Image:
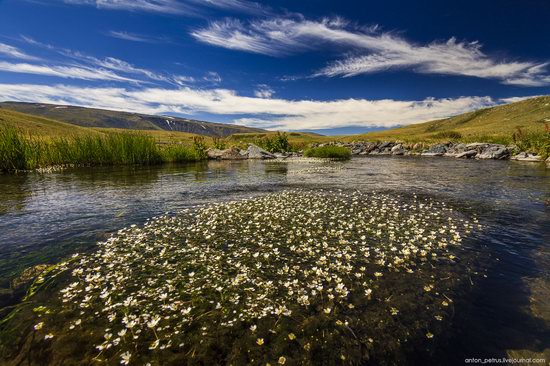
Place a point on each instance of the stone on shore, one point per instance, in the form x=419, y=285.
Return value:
x=496, y=152
x=256, y=152
x=228, y=154
x=436, y=150
x=398, y=150
x=527, y=156
x=466, y=154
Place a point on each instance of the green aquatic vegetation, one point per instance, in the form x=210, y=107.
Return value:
x=292, y=277
x=331, y=152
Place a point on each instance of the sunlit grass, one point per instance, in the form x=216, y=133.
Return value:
x=19, y=151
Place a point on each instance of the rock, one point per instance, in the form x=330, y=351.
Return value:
x=417, y=146
x=369, y=146
x=436, y=150
x=281, y=155
x=477, y=146
x=214, y=153
x=384, y=145
x=526, y=156
x=548, y=161
x=256, y=152
x=228, y=154
x=466, y=154
x=496, y=152
x=398, y=150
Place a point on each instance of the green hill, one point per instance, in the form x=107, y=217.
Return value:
x=40, y=126
x=90, y=117
x=489, y=124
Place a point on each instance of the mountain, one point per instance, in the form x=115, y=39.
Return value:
x=90, y=117
x=529, y=115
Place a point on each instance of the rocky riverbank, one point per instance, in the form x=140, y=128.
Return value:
x=477, y=150
x=482, y=151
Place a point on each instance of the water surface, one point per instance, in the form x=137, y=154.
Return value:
x=46, y=217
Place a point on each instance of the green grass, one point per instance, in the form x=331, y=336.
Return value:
x=19, y=151
x=40, y=127
x=331, y=152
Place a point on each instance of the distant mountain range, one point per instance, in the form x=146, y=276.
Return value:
x=90, y=117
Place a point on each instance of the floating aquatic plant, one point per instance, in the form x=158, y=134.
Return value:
x=287, y=278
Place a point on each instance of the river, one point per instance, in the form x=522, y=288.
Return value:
x=506, y=313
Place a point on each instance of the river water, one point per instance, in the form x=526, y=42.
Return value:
x=506, y=312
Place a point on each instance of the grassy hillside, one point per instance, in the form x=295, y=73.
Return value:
x=89, y=117
x=40, y=126
x=496, y=124
x=168, y=137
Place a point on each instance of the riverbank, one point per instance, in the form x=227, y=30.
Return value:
x=343, y=150
x=476, y=150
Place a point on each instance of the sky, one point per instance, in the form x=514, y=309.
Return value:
x=310, y=65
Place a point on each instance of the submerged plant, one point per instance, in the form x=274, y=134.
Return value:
x=286, y=278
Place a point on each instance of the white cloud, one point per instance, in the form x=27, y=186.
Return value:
x=235, y=5
x=70, y=72
x=133, y=37
x=181, y=7
x=271, y=113
x=274, y=37
x=373, y=50
x=102, y=67
x=156, y=6
x=14, y=52
x=212, y=77
x=517, y=99
x=264, y=91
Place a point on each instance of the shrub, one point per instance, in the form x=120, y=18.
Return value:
x=200, y=147
x=331, y=152
x=276, y=143
x=218, y=143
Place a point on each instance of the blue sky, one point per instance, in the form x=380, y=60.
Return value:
x=325, y=66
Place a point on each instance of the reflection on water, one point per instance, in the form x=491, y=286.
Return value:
x=46, y=217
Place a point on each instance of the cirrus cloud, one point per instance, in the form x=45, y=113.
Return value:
x=371, y=50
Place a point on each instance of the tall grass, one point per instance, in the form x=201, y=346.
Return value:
x=22, y=152
x=537, y=142
x=331, y=152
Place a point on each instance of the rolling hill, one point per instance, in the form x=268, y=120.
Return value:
x=90, y=117
x=40, y=126
x=488, y=124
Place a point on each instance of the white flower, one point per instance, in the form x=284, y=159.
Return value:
x=125, y=358
x=153, y=322
x=155, y=344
